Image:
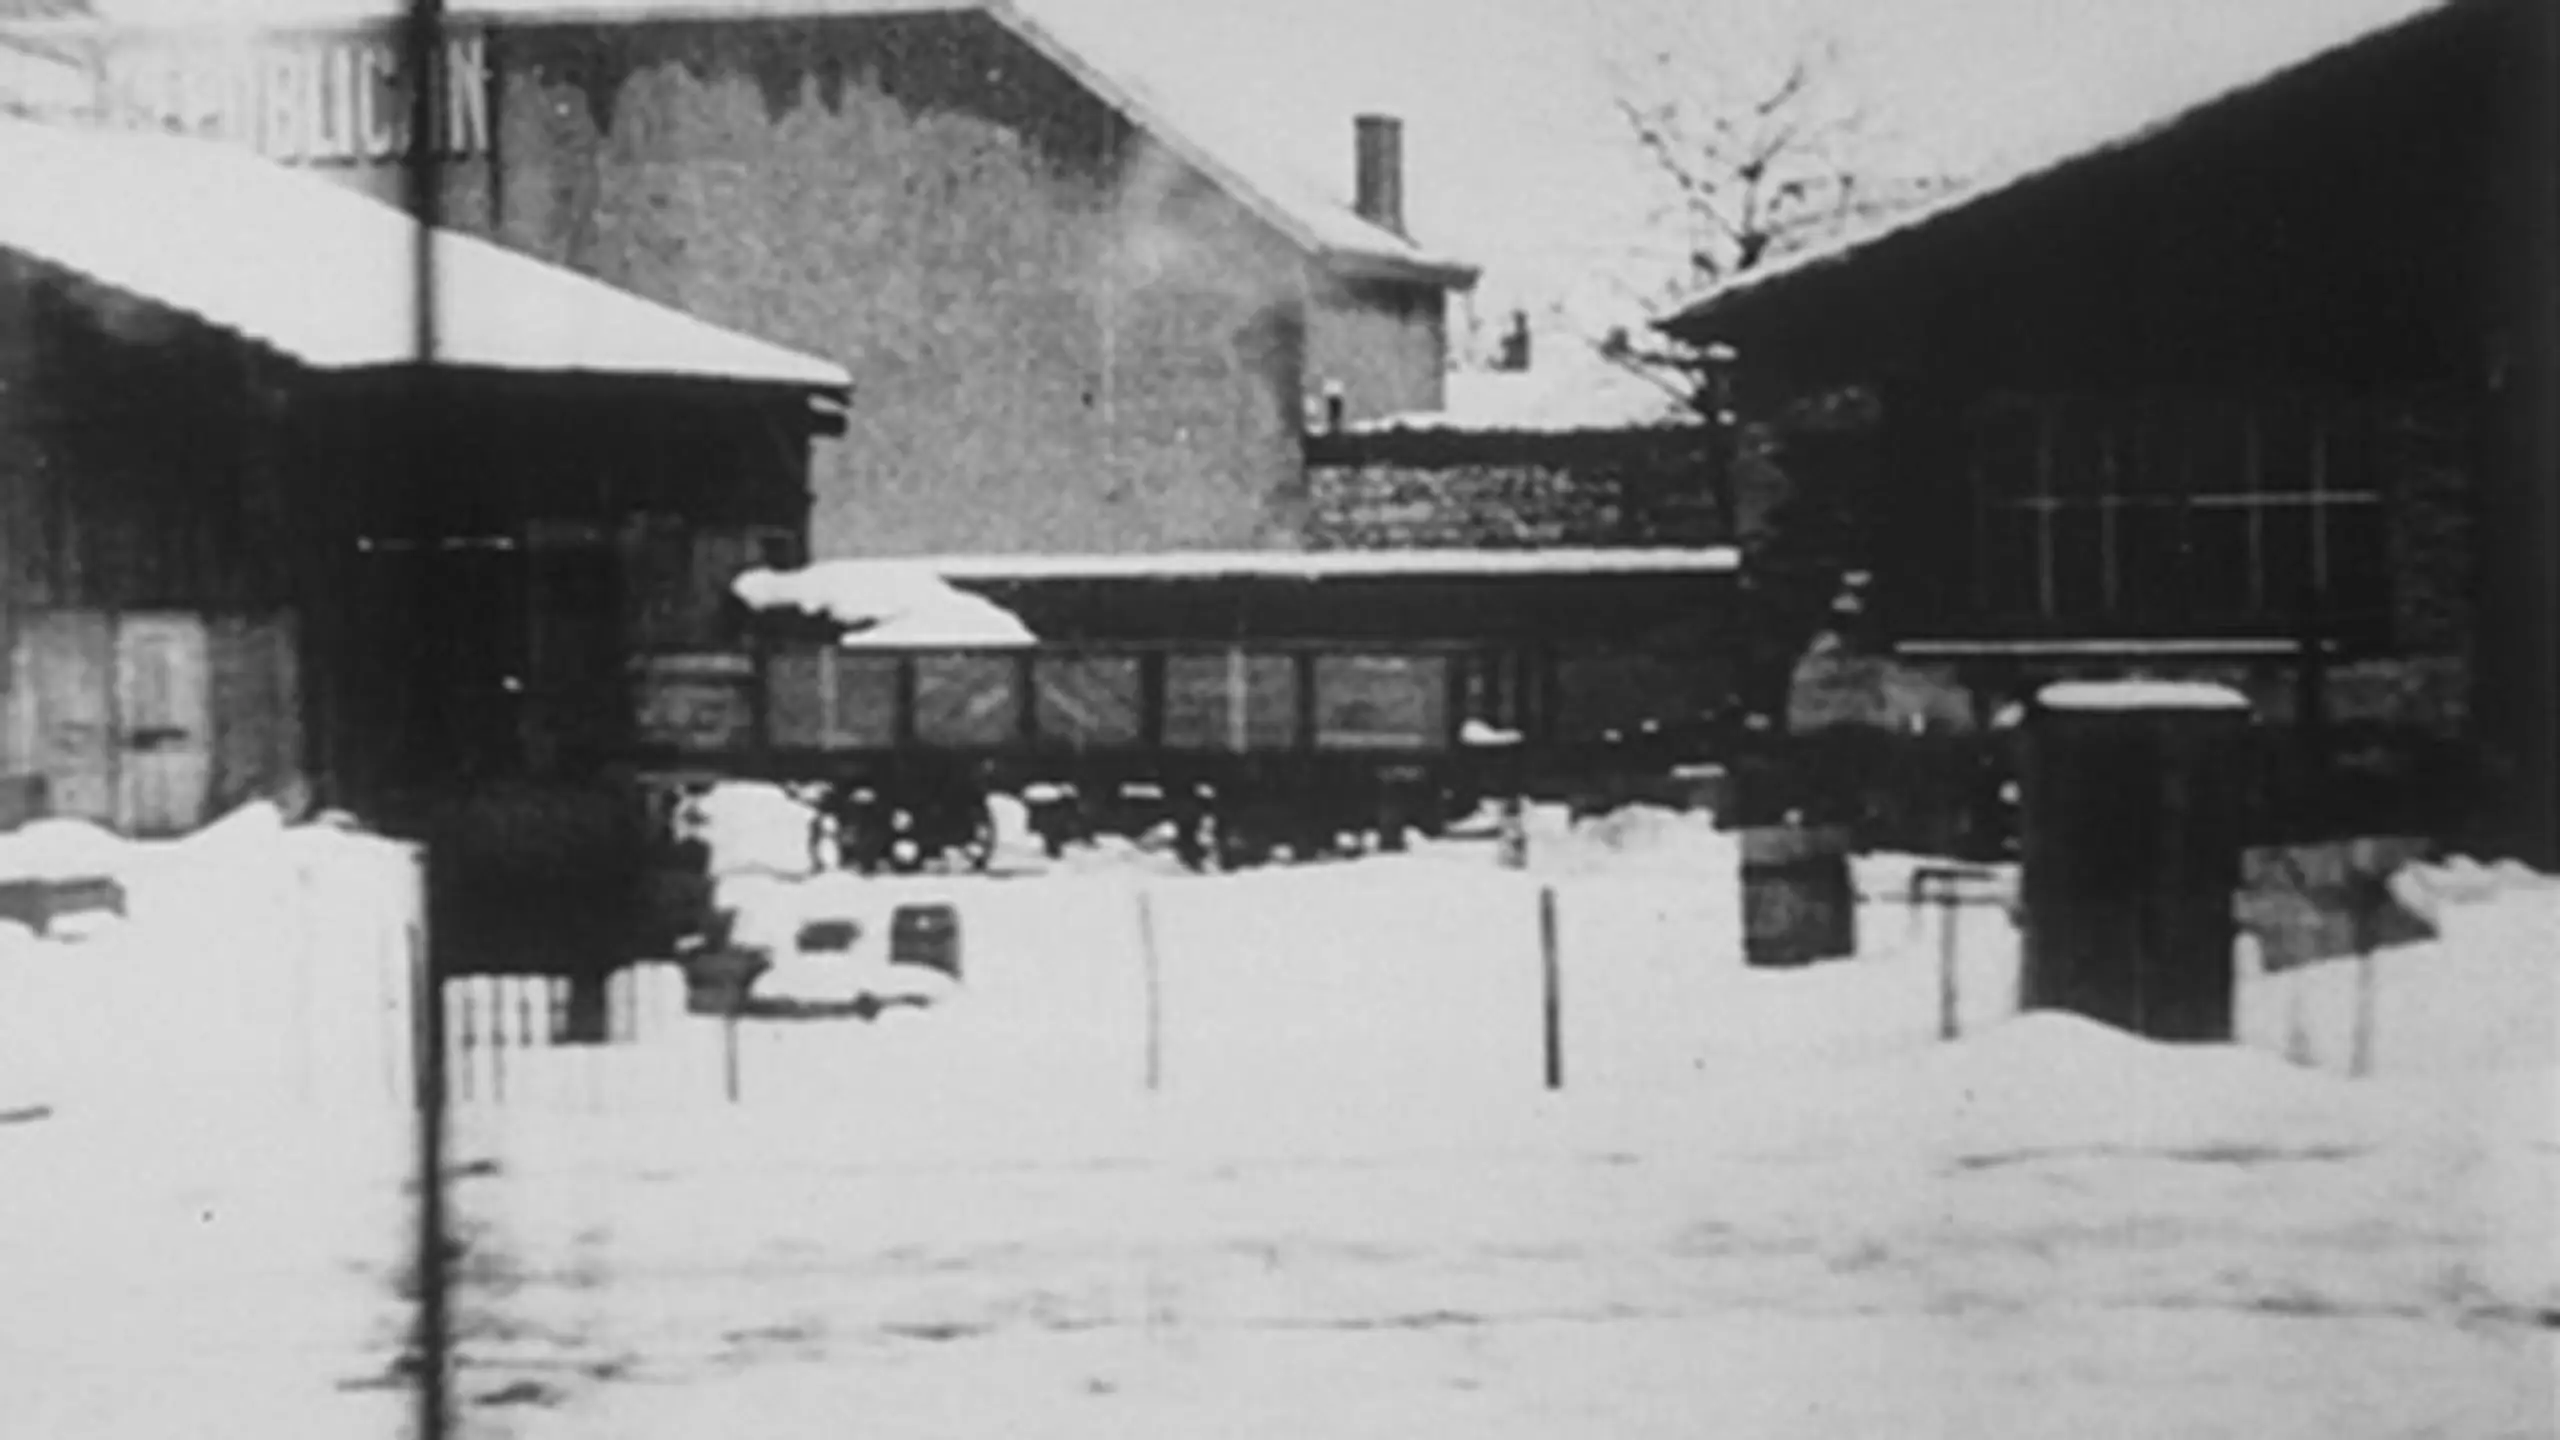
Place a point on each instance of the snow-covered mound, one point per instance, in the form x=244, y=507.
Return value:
x=2050, y=1081
x=1632, y=839
x=59, y=849
x=2428, y=886
x=250, y=958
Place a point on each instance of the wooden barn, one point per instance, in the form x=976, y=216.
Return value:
x=249, y=546
x=1081, y=320
x=2261, y=392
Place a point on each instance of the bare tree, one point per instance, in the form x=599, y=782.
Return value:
x=1758, y=137
x=1763, y=148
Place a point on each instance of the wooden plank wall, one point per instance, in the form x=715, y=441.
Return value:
x=140, y=474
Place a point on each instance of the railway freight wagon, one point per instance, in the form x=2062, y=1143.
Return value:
x=1248, y=704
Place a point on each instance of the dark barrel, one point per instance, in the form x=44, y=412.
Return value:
x=2134, y=800
x=1798, y=902
x=926, y=935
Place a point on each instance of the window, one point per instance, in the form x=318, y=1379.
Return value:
x=2174, y=511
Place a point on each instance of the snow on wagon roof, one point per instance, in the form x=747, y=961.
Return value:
x=1318, y=565
x=2140, y=695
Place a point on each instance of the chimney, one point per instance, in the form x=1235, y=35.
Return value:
x=1378, y=183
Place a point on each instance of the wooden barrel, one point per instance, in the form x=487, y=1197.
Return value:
x=1798, y=902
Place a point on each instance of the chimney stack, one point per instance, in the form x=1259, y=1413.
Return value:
x=1379, y=176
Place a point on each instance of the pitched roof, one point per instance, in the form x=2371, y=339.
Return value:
x=1697, y=318
x=1326, y=228
x=325, y=275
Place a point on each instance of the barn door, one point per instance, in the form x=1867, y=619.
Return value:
x=66, y=685
x=164, y=721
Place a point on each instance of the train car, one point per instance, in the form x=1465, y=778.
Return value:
x=1250, y=705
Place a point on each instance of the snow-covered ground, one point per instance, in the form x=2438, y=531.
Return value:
x=1765, y=1203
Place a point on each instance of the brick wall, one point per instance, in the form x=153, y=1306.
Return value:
x=1460, y=490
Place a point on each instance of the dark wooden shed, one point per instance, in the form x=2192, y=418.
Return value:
x=253, y=547
x=2264, y=384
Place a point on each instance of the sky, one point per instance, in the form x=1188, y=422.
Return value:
x=1517, y=159
x=1516, y=156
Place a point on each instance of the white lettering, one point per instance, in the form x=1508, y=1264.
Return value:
x=344, y=99
x=327, y=103
x=377, y=105
x=466, y=95
x=281, y=136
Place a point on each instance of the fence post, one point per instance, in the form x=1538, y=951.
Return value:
x=2366, y=901
x=500, y=991
x=1552, y=983
x=1152, y=963
x=304, y=887
x=1943, y=886
x=433, y=1337
x=1949, y=1002
x=729, y=1049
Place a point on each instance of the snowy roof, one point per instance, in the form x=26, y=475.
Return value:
x=1699, y=314
x=324, y=275
x=1315, y=565
x=1550, y=399
x=2140, y=695
x=887, y=603
x=1326, y=227
x=36, y=76
x=1220, y=146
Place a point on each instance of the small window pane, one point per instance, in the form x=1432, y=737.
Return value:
x=2009, y=562
x=2150, y=570
x=2285, y=541
x=2359, y=558
x=2219, y=567
x=2214, y=450
x=2004, y=443
x=2285, y=434
x=2079, y=561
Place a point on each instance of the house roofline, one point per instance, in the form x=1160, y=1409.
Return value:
x=1384, y=262
x=1696, y=319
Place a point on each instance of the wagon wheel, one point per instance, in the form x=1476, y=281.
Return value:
x=903, y=851
x=864, y=843
x=1196, y=838
x=1238, y=847
x=980, y=847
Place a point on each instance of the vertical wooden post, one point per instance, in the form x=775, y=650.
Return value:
x=1553, y=985
x=433, y=1341
x=1151, y=962
x=498, y=992
x=2368, y=896
x=729, y=1051
x=1949, y=1025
